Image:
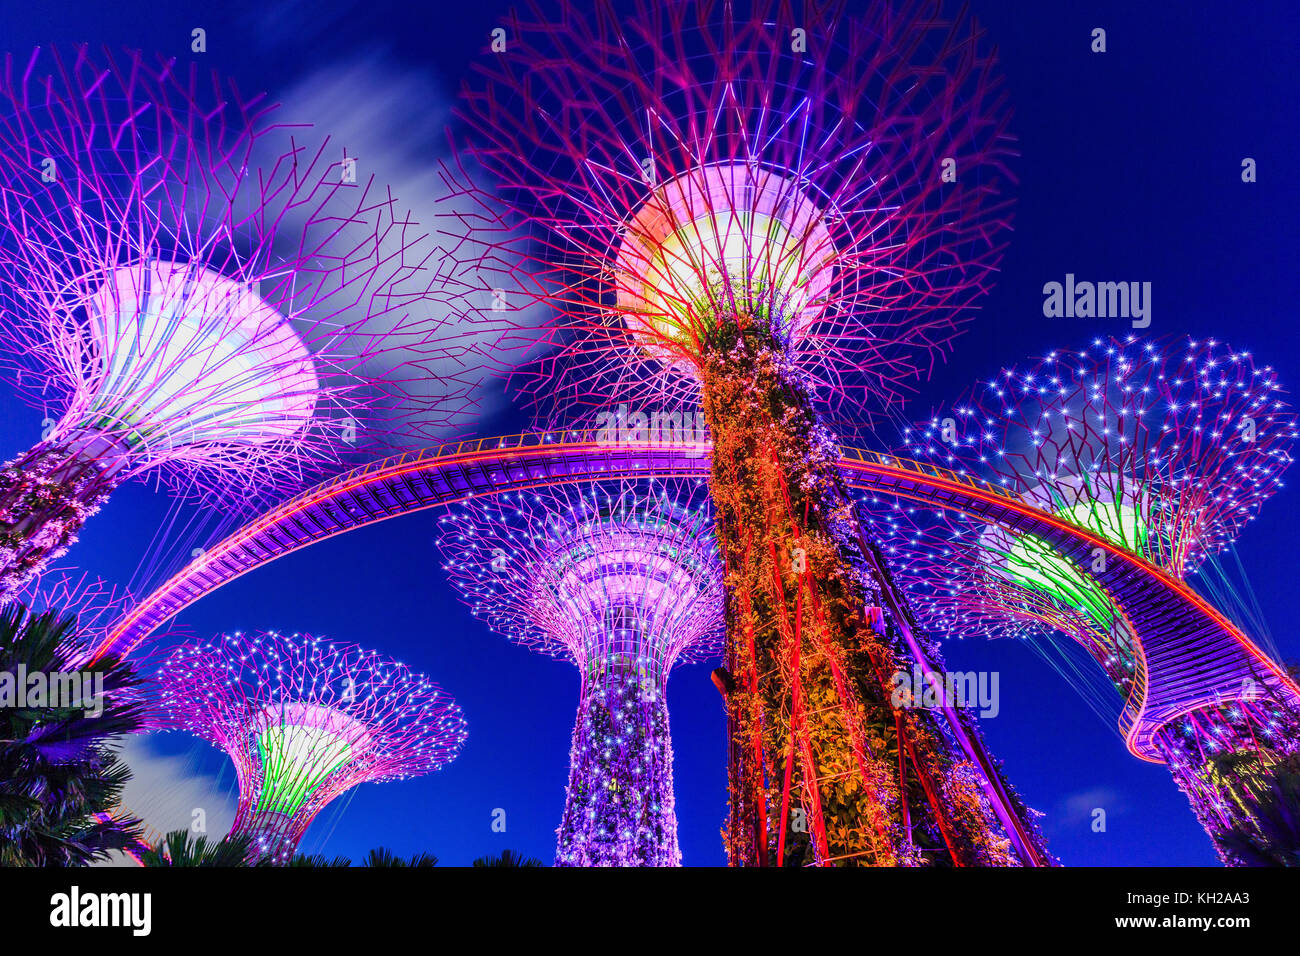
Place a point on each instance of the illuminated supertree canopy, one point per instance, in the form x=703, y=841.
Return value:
x=191, y=291
x=760, y=209
x=304, y=720
x=624, y=581
x=1166, y=449
x=739, y=159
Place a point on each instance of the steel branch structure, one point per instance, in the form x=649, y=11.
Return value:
x=622, y=579
x=770, y=212
x=721, y=157
x=1165, y=450
x=303, y=721
x=1168, y=448
x=191, y=291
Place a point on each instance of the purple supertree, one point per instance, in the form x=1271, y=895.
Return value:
x=761, y=209
x=1166, y=449
x=190, y=290
x=303, y=721
x=624, y=581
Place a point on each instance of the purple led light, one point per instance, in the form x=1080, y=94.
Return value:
x=197, y=292
x=303, y=721
x=625, y=582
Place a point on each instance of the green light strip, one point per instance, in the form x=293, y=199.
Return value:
x=1037, y=565
x=295, y=760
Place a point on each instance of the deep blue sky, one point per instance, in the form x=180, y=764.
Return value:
x=1130, y=170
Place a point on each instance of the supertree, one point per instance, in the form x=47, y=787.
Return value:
x=304, y=720
x=624, y=581
x=1166, y=449
x=759, y=209
x=190, y=290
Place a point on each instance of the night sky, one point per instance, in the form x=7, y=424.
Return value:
x=1130, y=169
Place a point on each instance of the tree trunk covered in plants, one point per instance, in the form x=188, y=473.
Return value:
x=816, y=771
x=45, y=498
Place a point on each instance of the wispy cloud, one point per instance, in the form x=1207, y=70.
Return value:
x=1077, y=807
x=392, y=120
x=167, y=792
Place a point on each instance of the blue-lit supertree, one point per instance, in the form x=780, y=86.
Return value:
x=624, y=581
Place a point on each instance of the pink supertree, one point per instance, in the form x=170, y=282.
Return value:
x=1165, y=449
x=194, y=292
x=623, y=580
x=760, y=209
x=304, y=720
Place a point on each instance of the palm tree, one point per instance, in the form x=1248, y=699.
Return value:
x=382, y=856
x=319, y=859
x=60, y=776
x=177, y=849
x=508, y=858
